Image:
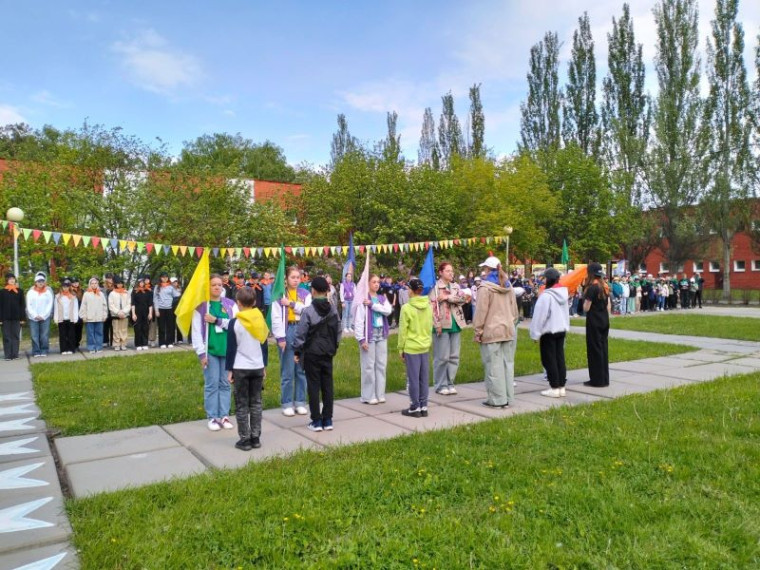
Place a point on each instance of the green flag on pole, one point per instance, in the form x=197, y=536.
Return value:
x=565, y=254
x=278, y=287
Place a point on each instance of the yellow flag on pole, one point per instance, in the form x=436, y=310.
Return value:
x=196, y=292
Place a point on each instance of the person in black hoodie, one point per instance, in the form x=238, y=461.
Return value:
x=142, y=312
x=316, y=342
x=12, y=313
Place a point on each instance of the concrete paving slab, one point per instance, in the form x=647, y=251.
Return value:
x=30, y=478
x=59, y=556
x=341, y=412
x=519, y=406
x=642, y=366
x=13, y=386
x=750, y=362
x=706, y=372
x=81, y=448
x=20, y=425
x=12, y=409
x=354, y=431
x=31, y=522
x=132, y=470
x=14, y=367
x=663, y=362
x=30, y=446
x=573, y=398
x=614, y=390
x=653, y=381
x=196, y=433
x=703, y=356
x=222, y=454
x=471, y=391
x=440, y=417
x=394, y=401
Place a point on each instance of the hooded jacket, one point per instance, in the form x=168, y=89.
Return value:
x=551, y=314
x=497, y=315
x=415, y=333
x=318, y=332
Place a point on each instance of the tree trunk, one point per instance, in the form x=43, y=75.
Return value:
x=726, y=296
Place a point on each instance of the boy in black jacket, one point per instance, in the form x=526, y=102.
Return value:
x=316, y=342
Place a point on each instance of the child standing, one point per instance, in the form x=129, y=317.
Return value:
x=142, y=313
x=371, y=330
x=12, y=309
x=66, y=316
x=551, y=321
x=245, y=367
x=415, y=337
x=39, y=311
x=120, y=306
x=347, y=291
x=163, y=298
x=316, y=342
x=93, y=311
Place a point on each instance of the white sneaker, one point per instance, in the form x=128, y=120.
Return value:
x=373, y=402
x=226, y=423
x=562, y=392
x=290, y=412
x=551, y=393
x=444, y=391
x=381, y=400
x=452, y=390
x=169, y=346
x=301, y=411
x=163, y=346
x=213, y=425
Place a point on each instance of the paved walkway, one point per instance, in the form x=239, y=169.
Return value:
x=34, y=530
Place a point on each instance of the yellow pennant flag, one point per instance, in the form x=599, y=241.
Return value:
x=183, y=250
x=175, y=249
x=197, y=291
x=77, y=239
x=66, y=238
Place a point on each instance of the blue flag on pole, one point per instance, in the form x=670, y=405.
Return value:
x=427, y=274
x=350, y=264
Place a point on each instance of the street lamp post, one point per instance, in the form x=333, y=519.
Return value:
x=508, y=232
x=15, y=215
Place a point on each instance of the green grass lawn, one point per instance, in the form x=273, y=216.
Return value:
x=737, y=328
x=667, y=479
x=108, y=394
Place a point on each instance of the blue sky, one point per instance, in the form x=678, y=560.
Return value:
x=283, y=71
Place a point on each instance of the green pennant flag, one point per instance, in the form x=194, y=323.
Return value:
x=278, y=287
x=5, y=224
x=47, y=236
x=86, y=240
x=27, y=232
x=565, y=255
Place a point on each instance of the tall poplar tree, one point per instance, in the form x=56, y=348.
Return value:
x=477, y=147
x=391, y=146
x=625, y=131
x=580, y=121
x=540, y=121
x=728, y=118
x=342, y=141
x=428, y=153
x=450, y=139
x=673, y=171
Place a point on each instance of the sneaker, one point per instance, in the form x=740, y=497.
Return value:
x=444, y=391
x=301, y=411
x=213, y=425
x=327, y=425
x=381, y=400
x=373, y=402
x=255, y=442
x=169, y=346
x=562, y=392
x=488, y=404
x=226, y=423
x=412, y=413
x=244, y=444
x=290, y=412
x=163, y=346
x=424, y=411
x=551, y=393
x=452, y=390
x=315, y=425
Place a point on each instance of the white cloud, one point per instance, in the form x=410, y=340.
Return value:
x=45, y=97
x=152, y=64
x=229, y=113
x=10, y=115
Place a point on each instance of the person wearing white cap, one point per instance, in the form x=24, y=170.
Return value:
x=39, y=312
x=494, y=326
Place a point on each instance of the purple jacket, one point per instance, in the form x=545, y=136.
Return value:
x=363, y=320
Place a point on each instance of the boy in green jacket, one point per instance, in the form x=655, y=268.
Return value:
x=415, y=337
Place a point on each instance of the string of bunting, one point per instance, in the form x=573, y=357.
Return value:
x=152, y=248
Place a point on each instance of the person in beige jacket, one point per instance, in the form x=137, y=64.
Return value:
x=93, y=312
x=495, y=330
x=120, y=307
x=446, y=300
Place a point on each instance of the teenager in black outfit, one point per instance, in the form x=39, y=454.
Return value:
x=142, y=312
x=12, y=313
x=596, y=306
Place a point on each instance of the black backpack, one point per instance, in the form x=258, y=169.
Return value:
x=321, y=340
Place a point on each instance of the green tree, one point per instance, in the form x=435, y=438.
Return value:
x=728, y=119
x=477, y=148
x=673, y=171
x=580, y=120
x=428, y=154
x=540, y=113
x=625, y=133
x=450, y=140
x=343, y=142
x=391, y=146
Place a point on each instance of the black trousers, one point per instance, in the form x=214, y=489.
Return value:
x=248, y=384
x=597, y=355
x=141, y=331
x=167, y=323
x=553, y=358
x=319, y=377
x=696, y=298
x=78, y=328
x=684, y=299
x=11, y=338
x=108, y=332
x=67, y=336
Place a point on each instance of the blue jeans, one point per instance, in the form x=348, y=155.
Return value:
x=40, y=333
x=216, y=389
x=347, y=323
x=94, y=336
x=292, y=375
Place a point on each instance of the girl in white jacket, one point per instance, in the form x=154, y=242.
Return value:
x=371, y=330
x=550, y=323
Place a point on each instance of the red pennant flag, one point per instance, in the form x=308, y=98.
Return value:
x=361, y=249
x=247, y=251
x=457, y=242
x=326, y=250
x=427, y=245
x=482, y=240
x=395, y=247
x=288, y=250
x=199, y=251
x=149, y=248
x=36, y=234
x=95, y=241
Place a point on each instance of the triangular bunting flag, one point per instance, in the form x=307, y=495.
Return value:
x=86, y=240
x=57, y=237
x=247, y=252
x=149, y=248
x=345, y=250
x=114, y=243
x=77, y=238
x=95, y=241
x=395, y=247
x=199, y=252
x=47, y=236
x=325, y=251
x=140, y=246
x=238, y=252
x=259, y=251
x=66, y=238
x=267, y=251
x=166, y=249
x=183, y=250
x=5, y=225
x=27, y=232
x=175, y=249
x=36, y=234
x=215, y=251
x=122, y=244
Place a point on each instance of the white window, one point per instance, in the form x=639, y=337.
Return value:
x=699, y=266
x=714, y=267
x=756, y=265
x=663, y=268
x=755, y=225
x=680, y=268
x=739, y=266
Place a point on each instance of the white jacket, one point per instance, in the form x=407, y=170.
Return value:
x=93, y=308
x=551, y=313
x=360, y=320
x=39, y=304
